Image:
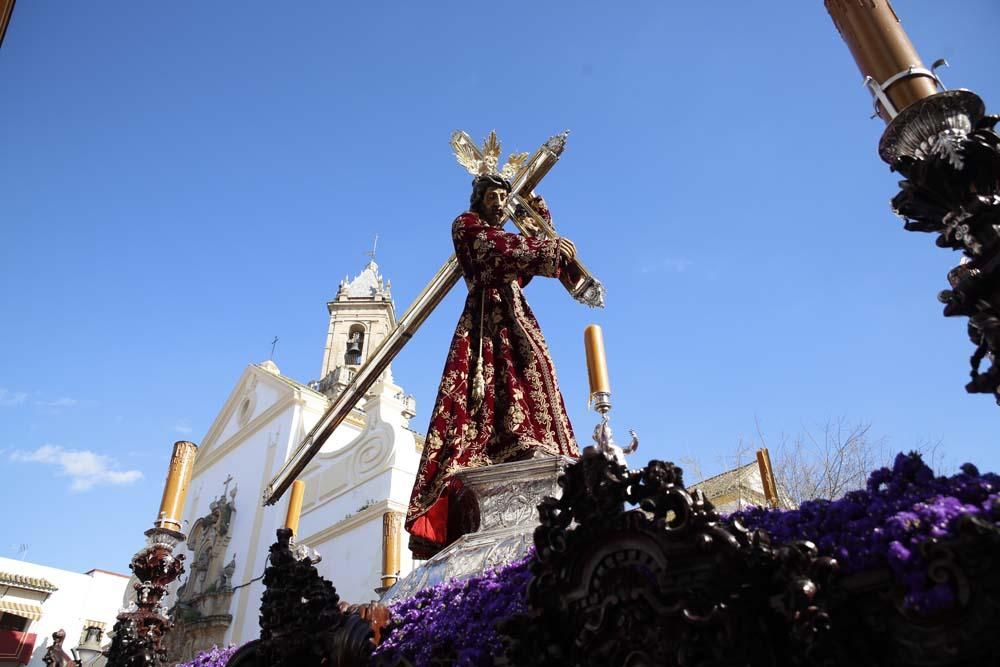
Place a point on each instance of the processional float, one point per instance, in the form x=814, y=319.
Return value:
x=633, y=568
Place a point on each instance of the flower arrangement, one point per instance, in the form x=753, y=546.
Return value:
x=885, y=524
x=215, y=657
x=881, y=526
x=455, y=622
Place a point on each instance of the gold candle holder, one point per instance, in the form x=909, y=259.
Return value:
x=392, y=529
x=597, y=363
x=887, y=59
x=600, y=398
x=295, y=506
x=176, y=487
x=768, y=482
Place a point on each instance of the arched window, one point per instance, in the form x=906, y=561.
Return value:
x=355, y=345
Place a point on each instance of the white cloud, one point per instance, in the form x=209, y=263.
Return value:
x=86, y=469
x=9, y=398
x=64, y=402
x=182, y=428
x=669, y=264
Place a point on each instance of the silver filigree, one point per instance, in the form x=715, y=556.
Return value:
x=933, y=124
x=507, y=496
x=591, y=293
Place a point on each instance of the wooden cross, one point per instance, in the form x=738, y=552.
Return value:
x=582, y=286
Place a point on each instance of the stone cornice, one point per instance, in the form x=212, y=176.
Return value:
x=364, y=516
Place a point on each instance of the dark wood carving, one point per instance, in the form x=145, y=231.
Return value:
x=872, y=627
x=377, y=615
x=55, y=655
x=301, y=622
x=632, y=569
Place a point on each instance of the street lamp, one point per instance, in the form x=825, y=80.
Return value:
x=84, y=655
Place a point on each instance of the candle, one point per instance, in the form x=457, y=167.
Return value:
x=767, y=477
x=392, y=528
x=597, y=365
x=882, y=50
x=176, y=487
x=295, y=506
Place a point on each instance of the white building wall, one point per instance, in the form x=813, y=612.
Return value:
x=94, y=596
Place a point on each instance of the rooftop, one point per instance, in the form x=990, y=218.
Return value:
x=24, y=581
x=724, y=482
x=367, y=284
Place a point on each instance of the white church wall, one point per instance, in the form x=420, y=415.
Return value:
x=251, y=463
x=404, y=465
x=343, y=436
x=364, y=470
x=254, y=531
x=352, y=561
x=344, y=505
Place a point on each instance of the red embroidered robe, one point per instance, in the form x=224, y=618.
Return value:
x=522, y=413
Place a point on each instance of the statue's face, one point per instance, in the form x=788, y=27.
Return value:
x=492, y=207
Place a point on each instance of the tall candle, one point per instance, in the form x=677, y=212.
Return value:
x=176, y=487
x=597, y=364
x=881, y=49
x=295, y=506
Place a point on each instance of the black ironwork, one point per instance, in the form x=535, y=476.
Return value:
x=949, y=153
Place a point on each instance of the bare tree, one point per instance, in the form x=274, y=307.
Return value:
x=824, y=465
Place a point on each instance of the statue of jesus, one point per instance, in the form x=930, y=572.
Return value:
x=498, y=400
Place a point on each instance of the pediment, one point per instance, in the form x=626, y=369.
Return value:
x=256, y=392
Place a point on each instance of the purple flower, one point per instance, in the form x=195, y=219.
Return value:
x=215, y=657
x=455, y=621
x=885, y=524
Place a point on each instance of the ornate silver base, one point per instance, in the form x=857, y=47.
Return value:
x=507, y=497
x=931, y=125
x=591, y=293
x=604, y=440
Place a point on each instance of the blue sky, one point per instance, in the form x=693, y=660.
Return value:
x=181, y=182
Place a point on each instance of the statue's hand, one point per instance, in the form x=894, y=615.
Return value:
x=567, y=249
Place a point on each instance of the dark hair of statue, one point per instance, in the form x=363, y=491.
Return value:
x=481, y=184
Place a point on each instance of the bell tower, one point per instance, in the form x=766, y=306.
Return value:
x=361, y=316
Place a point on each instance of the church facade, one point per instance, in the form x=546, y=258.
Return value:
x=357, y=487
